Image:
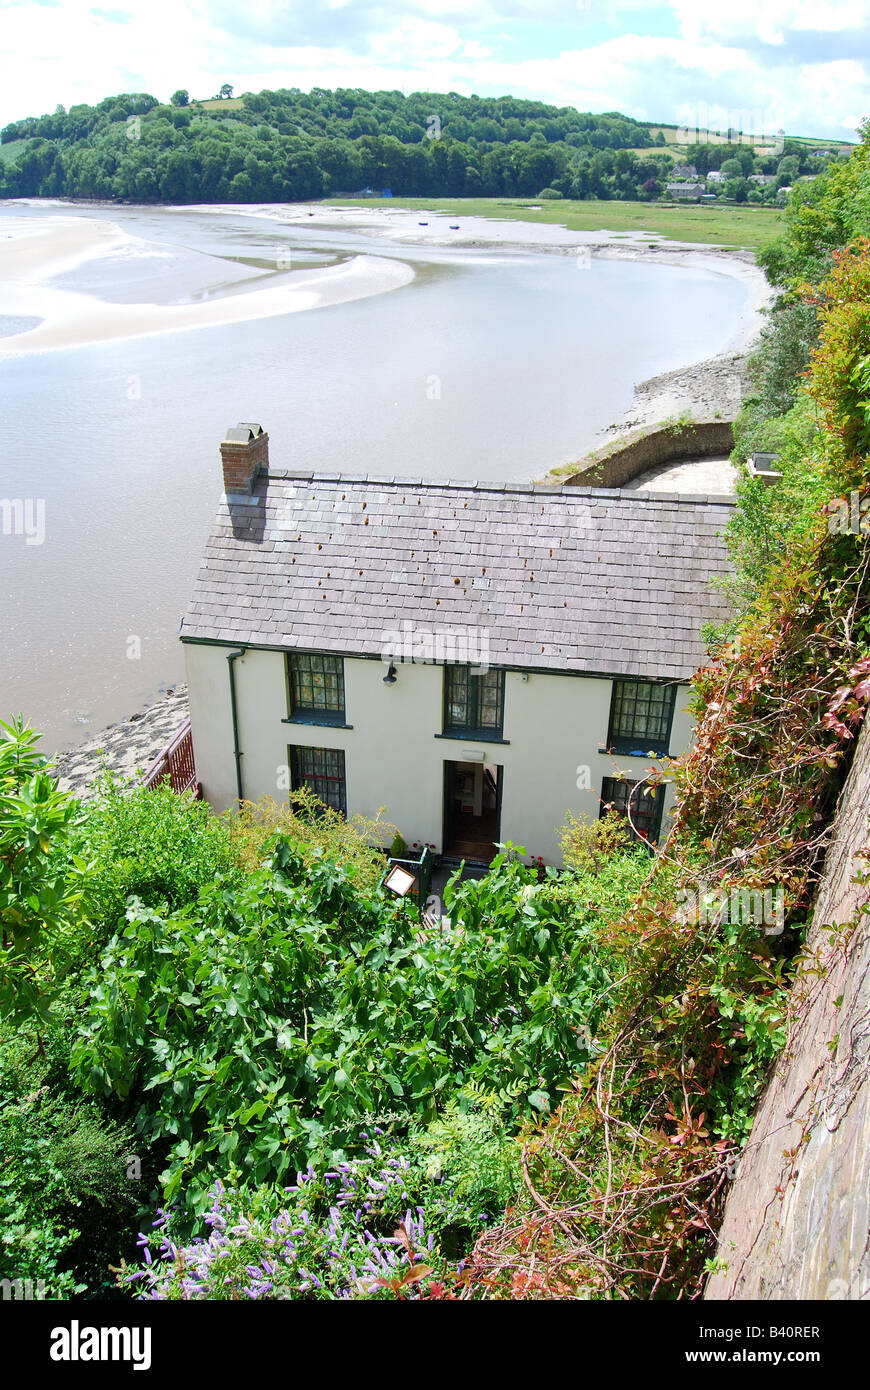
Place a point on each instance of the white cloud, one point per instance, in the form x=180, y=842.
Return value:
x=740, y=22
x=800, y=57
x=413, y=40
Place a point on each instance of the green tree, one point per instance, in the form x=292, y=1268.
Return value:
x=181, y=97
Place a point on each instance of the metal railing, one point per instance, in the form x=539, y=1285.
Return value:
x=177, y=763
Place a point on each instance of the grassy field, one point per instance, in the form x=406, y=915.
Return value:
x=8, y=152
x=719, y=226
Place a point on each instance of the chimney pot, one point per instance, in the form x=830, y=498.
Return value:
x=244, y=456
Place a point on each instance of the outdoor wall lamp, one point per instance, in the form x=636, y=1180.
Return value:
x=390, y=677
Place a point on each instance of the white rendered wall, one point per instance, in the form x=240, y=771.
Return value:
x=553, y=727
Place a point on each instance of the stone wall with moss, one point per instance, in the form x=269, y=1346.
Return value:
x=623, y=459
x=797, y=1220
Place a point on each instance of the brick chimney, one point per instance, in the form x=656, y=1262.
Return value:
x=244, y=456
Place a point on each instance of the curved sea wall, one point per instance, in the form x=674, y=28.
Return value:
x=623, y=459
x=797, y=1219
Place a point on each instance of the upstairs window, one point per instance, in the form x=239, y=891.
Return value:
x=644, y=802
x=641, y=713
x=316, y=688
x=473, y=704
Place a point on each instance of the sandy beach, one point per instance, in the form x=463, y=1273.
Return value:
x=31, y=258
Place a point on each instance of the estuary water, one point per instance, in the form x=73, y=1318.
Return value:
x=487, y=364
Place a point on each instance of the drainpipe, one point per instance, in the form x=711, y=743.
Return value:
x=231, y=657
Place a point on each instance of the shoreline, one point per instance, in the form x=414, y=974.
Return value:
x=127, y=747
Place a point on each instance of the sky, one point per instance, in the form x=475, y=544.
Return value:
x=795, y=65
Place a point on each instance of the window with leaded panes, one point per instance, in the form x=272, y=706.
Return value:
x=322, y=771
x=640, y=716
x=644, y=802
x=316, y=686
x=473, y=702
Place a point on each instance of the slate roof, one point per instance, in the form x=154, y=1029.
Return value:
x=562, y=578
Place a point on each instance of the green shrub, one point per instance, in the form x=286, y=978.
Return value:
x=154, y=845
x=471, y=1151
x=589, y=847
x=39, y=882
x=66, y=1201
x=782, y=358
x=318, y=832
x=259, y=1028
x=768, y=517
x=356, y=1231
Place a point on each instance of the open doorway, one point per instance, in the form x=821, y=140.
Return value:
x=472, y=810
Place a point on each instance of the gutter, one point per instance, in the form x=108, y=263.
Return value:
x=640, y=674
x=231, y=658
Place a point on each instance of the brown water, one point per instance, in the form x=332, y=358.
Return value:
x=488, y=366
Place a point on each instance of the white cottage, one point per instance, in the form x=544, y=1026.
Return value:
x=479, y=658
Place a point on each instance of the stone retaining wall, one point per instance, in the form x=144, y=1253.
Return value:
x=797, y=1219
x=622, y=460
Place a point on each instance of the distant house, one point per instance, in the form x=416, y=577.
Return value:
x=763, y=180
x=685, y=190
x=716, y=176
x=479, y=658
x=685, y=171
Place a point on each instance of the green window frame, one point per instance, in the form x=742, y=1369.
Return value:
x=315, y=684
x=473, y=702
x=322, y=770
x=641, y=716
x=646, y=802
